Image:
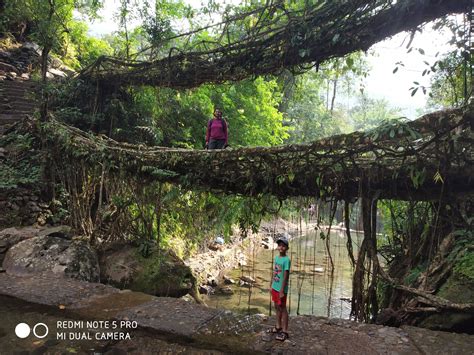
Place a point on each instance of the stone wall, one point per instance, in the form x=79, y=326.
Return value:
x=22, y=207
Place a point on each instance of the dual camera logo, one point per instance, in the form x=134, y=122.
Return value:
x=40, y=330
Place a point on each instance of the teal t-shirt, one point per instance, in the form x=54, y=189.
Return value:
x=281, y=264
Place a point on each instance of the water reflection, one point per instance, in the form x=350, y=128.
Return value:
x=313, y=288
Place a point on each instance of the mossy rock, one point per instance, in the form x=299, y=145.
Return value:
x=464, y=268
x=160, y=274
x=457, y=290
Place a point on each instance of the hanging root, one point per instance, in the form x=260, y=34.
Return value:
x=364, y=284
x=348, y=233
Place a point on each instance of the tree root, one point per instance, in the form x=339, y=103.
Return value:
x=428, y=298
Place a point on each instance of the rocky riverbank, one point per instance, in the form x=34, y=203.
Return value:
x=209, y=267
x=56, y=251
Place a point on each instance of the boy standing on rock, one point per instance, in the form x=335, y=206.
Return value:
x=279, y=289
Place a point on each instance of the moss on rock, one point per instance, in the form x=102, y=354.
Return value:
x=161, y=273
x=457, y=290
x=464, y=268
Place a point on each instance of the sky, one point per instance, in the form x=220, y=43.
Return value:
x=381, y=83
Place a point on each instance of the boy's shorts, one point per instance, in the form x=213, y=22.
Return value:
x=276, y=298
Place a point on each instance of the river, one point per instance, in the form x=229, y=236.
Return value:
x=313, y=289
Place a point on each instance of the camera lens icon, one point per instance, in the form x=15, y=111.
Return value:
x=23, y=330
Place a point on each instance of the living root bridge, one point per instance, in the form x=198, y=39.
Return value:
x=282, y=38
x=412, y=161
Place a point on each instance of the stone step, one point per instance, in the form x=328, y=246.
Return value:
x=28, y=96
x=14, y=91
x=25, y=96
x=20, y=96
x=19, y=101
x=18, y=114
x=18, y=106
x=18, y=84
x=5, y=127
x=25, y=103
x=9, y=118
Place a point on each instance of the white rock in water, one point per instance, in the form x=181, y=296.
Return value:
x=227, y=290
x=318, y=269
x=187, y=298
x=228, y=280
x=57, y=72
x=247, y=279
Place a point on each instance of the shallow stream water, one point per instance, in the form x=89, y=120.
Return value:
x=313, y=288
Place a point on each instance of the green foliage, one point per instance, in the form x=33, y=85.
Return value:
x=83, y=50
x=463, y=264
x=414, y=274
x=251, y=110
x=372, y=113
x=51, y=25
x=452, y=84
x=22, y=167
x=310, y=100
x=145, y=247
x=307, y=111
x=48, y=19
x=447, y=85
x=464, y=267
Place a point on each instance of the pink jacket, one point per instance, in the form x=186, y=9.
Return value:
x=216, y=129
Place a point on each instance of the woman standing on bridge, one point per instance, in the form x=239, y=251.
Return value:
x=216, y=133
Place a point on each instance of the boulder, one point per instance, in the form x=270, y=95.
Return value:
x=160, y=274
x=211, y=281
x=245, y=284
x=57, y=72
x=216, y=247
x=388, y=317
x=53, y=254
x=247, y=279
x=67, y=70
x=206, y=290
x=8, y=68
x=228, y=280
x=54, y=62
x=456, y=289
x=31, y=47
x=188, y=298
x=226, y=290
x=11, y=236
x=64, y=232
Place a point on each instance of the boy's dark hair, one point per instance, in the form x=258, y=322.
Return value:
x=283, y=240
